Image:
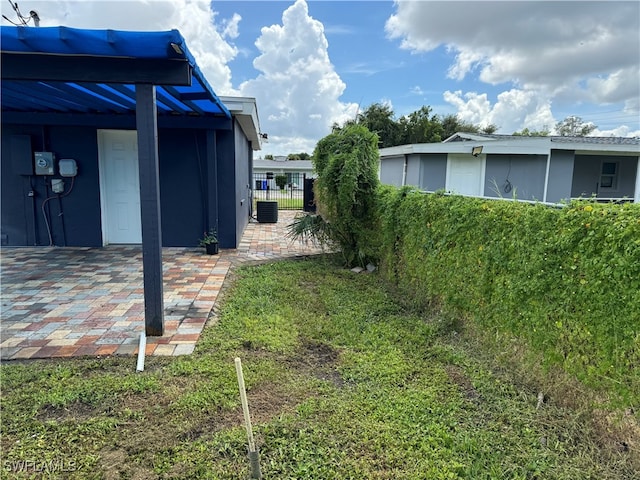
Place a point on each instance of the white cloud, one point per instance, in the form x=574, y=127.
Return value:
x=298, y=89
x=622, y=131
x=472, y=107
x=230, y=29
x=204, y=35
x=513, y=111
x=571, y=51
x=466, y=61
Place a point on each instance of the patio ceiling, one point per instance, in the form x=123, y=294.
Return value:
x=82, y=72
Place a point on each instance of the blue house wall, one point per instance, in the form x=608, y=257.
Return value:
x=586, y=179
x=188, y=161
x=243, y=162
x=519, y=175
x=23, y=222
x=234, y=172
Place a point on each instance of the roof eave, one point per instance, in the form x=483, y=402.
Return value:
x=245, y=110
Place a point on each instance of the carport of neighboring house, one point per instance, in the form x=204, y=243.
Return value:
x=100, y=128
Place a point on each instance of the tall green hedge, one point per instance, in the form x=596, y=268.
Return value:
x=346, y=162
x=565, y=280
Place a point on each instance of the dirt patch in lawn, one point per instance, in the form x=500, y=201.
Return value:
x=77, y=411
x=457, y=376
x=318, y=360
x=116, y=465
x=270, y=399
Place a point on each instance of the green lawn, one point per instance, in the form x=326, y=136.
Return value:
x=343, y=383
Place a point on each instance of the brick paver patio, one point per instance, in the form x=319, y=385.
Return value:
x=63, y=302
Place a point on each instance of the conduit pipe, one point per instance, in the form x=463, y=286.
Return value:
x=142, y=347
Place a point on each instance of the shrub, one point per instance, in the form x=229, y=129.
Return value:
x=346, y=162
x=567, y=280
x=281, y=181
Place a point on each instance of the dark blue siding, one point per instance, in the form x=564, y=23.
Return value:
x=227, y=234
x=243, y=162
x=183, y=170
x=234, y=172
x=186, y=160
x=23, y=221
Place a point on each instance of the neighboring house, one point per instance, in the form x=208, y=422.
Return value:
x=74, y=94
x=547, y=169
x=295, y=170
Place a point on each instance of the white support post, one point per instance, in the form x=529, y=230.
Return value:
x=404, y=169
x=546, y=177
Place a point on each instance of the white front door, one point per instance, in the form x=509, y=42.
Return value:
x=465, y=174
x=119, y=186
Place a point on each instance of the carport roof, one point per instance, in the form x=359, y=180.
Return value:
x=95, y=71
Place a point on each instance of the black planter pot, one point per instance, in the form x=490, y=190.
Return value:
x=211, y=248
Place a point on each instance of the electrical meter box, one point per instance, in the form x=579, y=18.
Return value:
x=68, y=167
x=44, y=163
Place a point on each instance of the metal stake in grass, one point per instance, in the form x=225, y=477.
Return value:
x=254, y=456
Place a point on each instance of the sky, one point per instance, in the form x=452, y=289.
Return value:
x=310, y=64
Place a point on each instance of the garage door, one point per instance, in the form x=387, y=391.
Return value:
x=465, y=174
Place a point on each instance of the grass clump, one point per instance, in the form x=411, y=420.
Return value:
x=344, y=382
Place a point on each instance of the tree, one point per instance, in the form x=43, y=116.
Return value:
x=379, y=118
x=525, y=132
x=268, y=157
x=452, y=124
x=574, y=126
x=421, y=127
x=298, y=156
x=336, y=127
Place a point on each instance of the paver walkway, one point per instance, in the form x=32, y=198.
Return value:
x=63, y=302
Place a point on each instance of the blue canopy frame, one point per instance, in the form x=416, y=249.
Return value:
x=75, y=76
x=119, y=58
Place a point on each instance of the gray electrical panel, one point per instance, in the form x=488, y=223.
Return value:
x=68, y=167
x=44, y=163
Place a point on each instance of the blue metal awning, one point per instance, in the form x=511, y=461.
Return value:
x=155, y=53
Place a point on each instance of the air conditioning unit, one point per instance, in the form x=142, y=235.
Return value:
x=267, y=212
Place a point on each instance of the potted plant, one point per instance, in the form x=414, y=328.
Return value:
x=281, y=181
x=210, y=242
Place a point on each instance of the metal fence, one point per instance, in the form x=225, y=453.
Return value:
x=288, y=189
